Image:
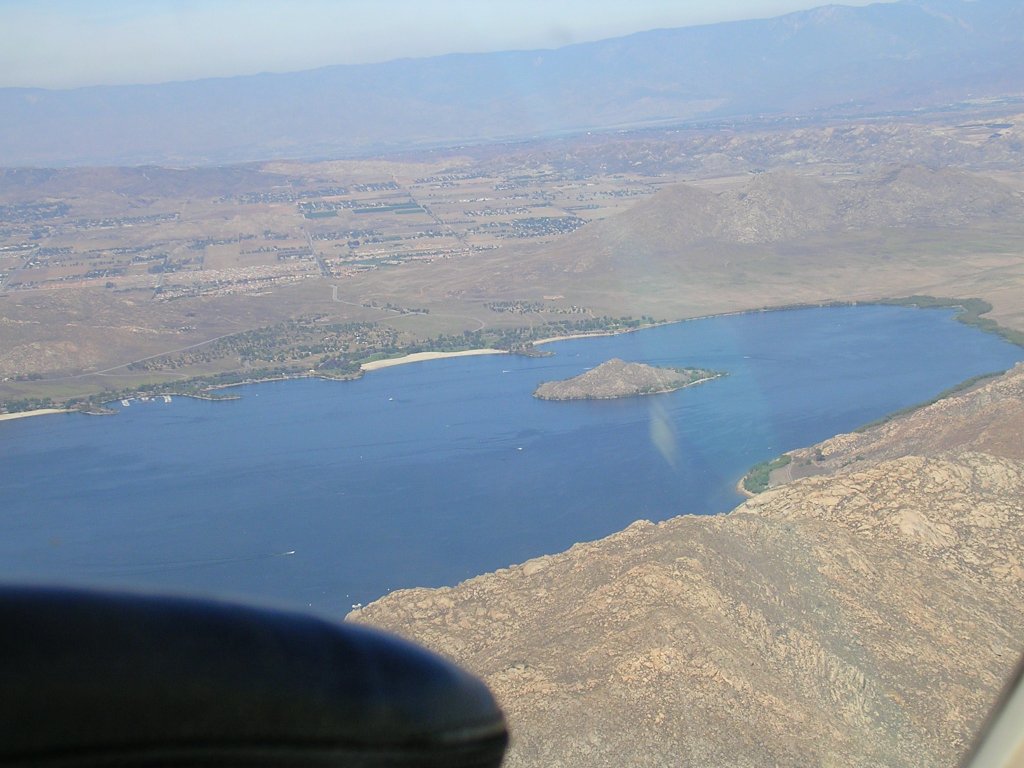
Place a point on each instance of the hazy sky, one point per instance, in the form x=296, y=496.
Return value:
x=69, y=43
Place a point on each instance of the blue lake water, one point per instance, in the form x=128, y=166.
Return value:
x=324, y=494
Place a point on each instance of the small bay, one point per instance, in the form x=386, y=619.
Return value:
x=326, y=494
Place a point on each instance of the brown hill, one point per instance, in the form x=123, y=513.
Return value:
x=781, y=206
x=617, y=378
x=775, y=239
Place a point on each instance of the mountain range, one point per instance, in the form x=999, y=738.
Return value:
x=833, y=60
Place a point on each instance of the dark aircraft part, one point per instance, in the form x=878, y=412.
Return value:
x=105, y=679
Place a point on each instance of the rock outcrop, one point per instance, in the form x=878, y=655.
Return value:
x=617, y=378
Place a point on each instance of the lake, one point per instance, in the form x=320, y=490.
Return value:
x=325, y=494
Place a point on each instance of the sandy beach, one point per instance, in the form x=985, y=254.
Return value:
x=551, y=339
x=742, y=489
x=37, y=412
x=419, y=356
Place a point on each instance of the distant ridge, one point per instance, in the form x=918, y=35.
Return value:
x=856, y=60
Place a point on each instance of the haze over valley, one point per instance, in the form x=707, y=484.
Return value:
x=831, y=61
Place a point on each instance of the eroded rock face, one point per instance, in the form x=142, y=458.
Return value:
x=862, y=619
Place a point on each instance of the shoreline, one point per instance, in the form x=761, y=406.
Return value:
x=36, y=412
x=918, y=302
x=417, y=357
x=596, y=334
x=742, y=489
x=712, y=316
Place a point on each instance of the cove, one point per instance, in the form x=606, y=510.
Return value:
x=326, y=494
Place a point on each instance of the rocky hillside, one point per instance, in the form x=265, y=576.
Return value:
x=865, y=618
x=617, y=378
x=987, y=418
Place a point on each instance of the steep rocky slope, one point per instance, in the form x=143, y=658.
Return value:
x=989, y=418
x=864, y=618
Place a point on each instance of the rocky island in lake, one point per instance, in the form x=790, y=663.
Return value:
x=617, y=378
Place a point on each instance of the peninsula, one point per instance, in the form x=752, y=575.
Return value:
x=617, y=378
